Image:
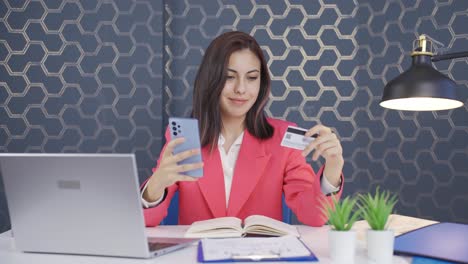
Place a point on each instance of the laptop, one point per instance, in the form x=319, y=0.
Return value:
x=87, y=204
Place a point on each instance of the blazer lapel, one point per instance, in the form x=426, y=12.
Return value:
x=212, y=182
x=248, y=170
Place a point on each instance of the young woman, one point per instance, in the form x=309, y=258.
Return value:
x=246, y=171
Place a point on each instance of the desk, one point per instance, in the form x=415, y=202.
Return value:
x=315, y=237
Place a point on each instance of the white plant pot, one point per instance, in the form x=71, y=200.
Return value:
x=380, y=246
x=342, y=246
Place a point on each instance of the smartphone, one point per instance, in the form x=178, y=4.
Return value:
x=188, y=129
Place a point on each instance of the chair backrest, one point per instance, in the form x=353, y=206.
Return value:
x=172, y=214
x=287, y=213
x=172, y=211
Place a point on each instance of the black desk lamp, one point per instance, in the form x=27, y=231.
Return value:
x=421, y=87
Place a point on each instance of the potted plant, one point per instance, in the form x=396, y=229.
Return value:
x=376, y=210
x=342, y=240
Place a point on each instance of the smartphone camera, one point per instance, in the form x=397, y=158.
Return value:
x=175, y=128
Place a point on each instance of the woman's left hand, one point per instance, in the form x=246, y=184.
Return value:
x=326, y=145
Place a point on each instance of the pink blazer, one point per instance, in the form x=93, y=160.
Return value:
x=264, y=171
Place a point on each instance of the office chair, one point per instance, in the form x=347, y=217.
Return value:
x=172, y=214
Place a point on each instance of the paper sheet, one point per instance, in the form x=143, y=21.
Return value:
x=279, y=247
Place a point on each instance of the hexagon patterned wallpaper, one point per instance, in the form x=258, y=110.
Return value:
x=81, y=76
x=329, y=62
x=103, y=76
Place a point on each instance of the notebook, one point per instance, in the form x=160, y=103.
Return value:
x=444, y=241
x=234, y=227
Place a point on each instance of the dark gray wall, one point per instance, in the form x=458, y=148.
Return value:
x=86, y=76
x=329, y=62
x=81, y=76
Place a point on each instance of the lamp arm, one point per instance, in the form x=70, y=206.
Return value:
x=449, y=56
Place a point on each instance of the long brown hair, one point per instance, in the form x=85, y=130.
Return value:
x=210, y=81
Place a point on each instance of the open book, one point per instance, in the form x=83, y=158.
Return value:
x=232, y=227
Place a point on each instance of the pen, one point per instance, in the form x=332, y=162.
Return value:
x=256, y=257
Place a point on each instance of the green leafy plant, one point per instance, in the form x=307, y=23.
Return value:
x=341, y=214
x=376, y=209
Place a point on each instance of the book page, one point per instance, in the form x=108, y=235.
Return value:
x=218, y=227
x=263, y=225
x=254, y=248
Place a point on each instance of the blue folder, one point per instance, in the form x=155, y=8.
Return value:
x=444, y=241
x=422, y=260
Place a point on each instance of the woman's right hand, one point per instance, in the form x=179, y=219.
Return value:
x=169, y=171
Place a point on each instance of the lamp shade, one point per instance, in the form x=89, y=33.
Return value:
x=420, y=88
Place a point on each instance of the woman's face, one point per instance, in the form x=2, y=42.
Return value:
x=242, y=84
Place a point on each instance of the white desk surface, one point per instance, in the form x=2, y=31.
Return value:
x=315, y=238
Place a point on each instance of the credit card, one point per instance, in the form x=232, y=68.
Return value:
x=295, y=138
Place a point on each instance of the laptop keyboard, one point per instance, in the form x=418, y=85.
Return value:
x=153, y=246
